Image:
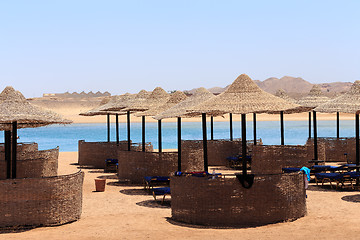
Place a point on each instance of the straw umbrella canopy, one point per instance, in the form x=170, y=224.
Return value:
x=143, y=102
x=101, y=110
x=349, y=102
x=121, y=104
x=282, y=94
x=179, y=110
x=242, y=97
x=15, y=108
x=312, y=100
x=175, y=98
x=158, y=97
x=16, y=112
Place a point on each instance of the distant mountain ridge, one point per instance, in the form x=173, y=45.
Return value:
x=293, y=86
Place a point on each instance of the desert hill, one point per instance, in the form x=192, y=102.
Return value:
x=295, y=87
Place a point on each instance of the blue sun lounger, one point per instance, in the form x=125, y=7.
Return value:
x=316, y=169
x=161, y=191
x=151, y=181
x=339, y=178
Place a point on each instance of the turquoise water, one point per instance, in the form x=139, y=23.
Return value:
x=66, y=137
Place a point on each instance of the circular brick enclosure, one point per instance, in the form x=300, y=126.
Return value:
x=224, y=202
x=41, y=201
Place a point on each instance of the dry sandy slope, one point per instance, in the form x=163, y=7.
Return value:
x=115, y=215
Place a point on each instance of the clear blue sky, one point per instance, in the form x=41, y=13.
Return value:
x=126, y=46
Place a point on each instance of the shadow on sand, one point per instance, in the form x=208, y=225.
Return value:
x=155, y=204
x=352, y=198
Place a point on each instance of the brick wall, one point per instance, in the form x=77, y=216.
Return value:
x=223, y=202
x=336, y=148
x=41, y=201
x=135, y=165
x=32, y=163
x=218, y=150
x=270, y=159
x=94, y=154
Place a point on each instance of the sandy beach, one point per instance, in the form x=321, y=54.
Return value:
x=126, y=212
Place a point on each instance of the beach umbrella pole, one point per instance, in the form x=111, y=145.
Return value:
x=309, y=124
x=337, y=125
x=108, y=127
x=212, y=128
x=128, y=130
x=254, y=126
x=159, y=136
x=179, y=142
x=7, y=136
x=315, y=138
x=14, y=148
x=282, y=127
x=231, y=127
x=143, y=132
x=203, y=116
x=357, y=141
x=243, y=141
x=117, y=129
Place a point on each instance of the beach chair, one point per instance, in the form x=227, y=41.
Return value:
x=199, y=174
x=111, y=165
x=338, y=178
x=165, y=191
x=236, y=161
x=151, y=181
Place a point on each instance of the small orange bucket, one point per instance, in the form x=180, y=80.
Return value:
x=100, y=184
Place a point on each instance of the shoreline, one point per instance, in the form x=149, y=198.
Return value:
x=236, y=118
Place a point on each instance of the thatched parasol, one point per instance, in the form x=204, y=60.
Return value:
x=158, y=97
x=349, y=102
x=16, y=112
x=121, y=104
x=15, y=108
x=314, y=98
x=243, y=96
x=101, y=111
x=157, y=108
x=282, y=94
x=174, y=99
x=179, y=110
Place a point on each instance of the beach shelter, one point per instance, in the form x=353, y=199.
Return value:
x=315, y=98
x=174, y=99
x=349, y=102
x=242, y=97
x=282, y=94
x=157, y=97
x=180, y=110
x=120, y=106
x=102, y=110
x=312, y=100
x=16, y=112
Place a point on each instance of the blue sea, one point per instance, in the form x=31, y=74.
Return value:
x=66, y=137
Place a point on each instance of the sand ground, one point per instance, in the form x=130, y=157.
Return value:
x=125, y=212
